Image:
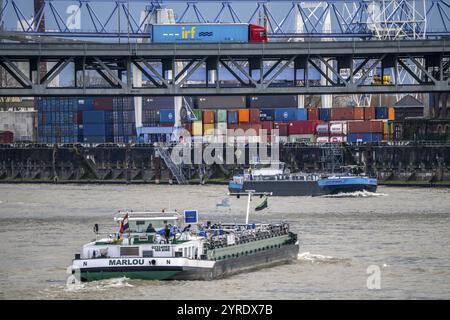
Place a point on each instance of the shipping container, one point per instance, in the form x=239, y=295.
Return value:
x=6, y=137
x=322, y=129
x=244, y=115
x=97, y=117
x=283, y=128
x=267, y=125
x=198, y=114
x=254, y=116
x=338, y=127
x=232, y=116
x=365, y=126
x=342, y=114
x=296, y=138
x=338, y=139
x=220, y=102
x=167, y=115
x=211, y=32
x=286, y=114
x=267, y=115
x=391, y=113
x=301, y=127
x=222, y=116
x=221, y=128
x=313, y=114
x=302, y=114
x=358, y=114
x=273, y=101
x=369, y=113
x=208, y=129
x=197, y=128
x=324, y=114
x=157, y=103
x=381, y=112
x=364, y=137
x=322, y=139
x=103, y=103
x=208, y=117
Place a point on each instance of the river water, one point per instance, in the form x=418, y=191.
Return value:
x=404, y=233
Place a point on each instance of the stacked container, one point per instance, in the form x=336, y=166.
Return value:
x=60, y=119
x=124, y=122
x=365, y=131
x=98, y=126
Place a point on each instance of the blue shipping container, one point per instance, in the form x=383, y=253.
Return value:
x=267, y=114
x=324, y=114
x=381, y=113
x=302, y=114
x=232, y=117
x=165, y=33
x=286, y=114
x=364, y=137
x=84, y=104
x=167, y=115
x=97, y=117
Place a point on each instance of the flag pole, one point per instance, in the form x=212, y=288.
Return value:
x=250, y=192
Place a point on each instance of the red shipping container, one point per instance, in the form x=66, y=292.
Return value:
x=313, y=114
x=78, y=117
x=6, y=137
x=283, y=128
x=267, y=125
x=365, y=127
x=301, y=127
x=342, y=114
x=358, y=113
x=166, y=124
x=103, y=104
x=254, y=116
x=369, y=113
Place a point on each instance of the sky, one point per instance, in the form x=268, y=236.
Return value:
x=244, y=9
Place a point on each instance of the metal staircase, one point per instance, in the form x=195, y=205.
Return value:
x=332, y=157
x=177, y=170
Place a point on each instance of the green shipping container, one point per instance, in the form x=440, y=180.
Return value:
x=198, y=114
x=221, y=115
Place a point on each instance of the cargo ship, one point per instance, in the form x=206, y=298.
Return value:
x=161, y=246
x=278, y=180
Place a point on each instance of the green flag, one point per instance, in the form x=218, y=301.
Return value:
x=262, y=205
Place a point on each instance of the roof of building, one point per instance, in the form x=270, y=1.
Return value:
x=408, y=101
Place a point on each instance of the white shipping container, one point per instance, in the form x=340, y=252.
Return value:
x=338, y=139
x=301, y=138
x=338, y=127
x=322, y=129
x=322, y=139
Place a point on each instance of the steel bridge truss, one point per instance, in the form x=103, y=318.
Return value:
x=395, y=19
x=279, y=68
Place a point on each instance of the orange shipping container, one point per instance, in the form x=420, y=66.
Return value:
x=391, y=113
x=208, y=117
x=358, y=113
x=244, y=115
x=369, y=113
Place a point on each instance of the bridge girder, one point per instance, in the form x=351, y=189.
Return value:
x=285, y=68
